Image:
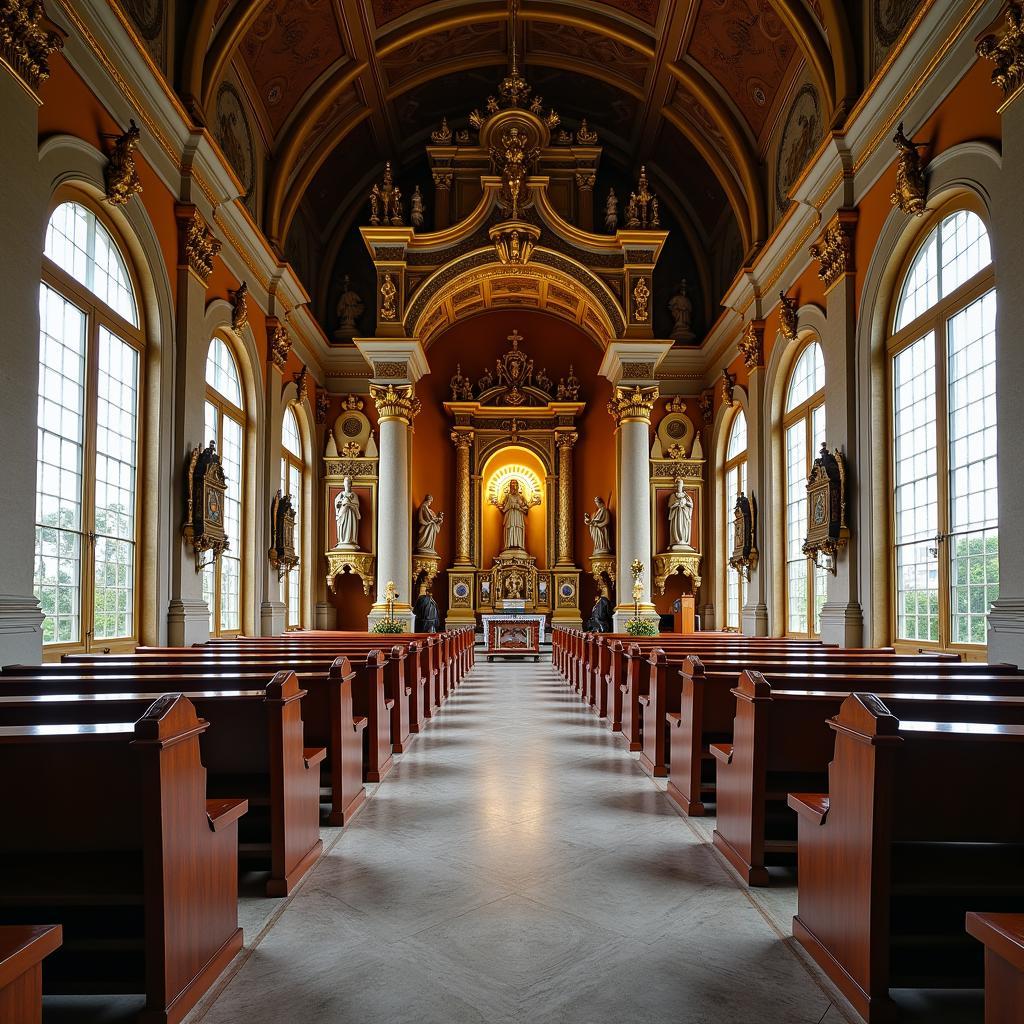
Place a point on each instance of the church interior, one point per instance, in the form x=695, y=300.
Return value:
x=508, y=511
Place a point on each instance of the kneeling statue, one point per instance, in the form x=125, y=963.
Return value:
x=600, y=620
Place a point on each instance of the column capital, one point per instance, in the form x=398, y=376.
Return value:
x=1005, y=49
x=27, y=41
x=395, y=402
x=633, y=361
x=197, y=245
x=834, y=250
x=462, y=439
x=633, y=404
x=394, y=360
x=566, y=439
x=751, y=344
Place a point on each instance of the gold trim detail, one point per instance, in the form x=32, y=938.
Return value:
x=386, y=201
x=728, y=385
x=633, y=405
x=1006, y=51
x=395, y=401
x=198, y=245
x=25, y=41
x=121, y=176
x=666, y=565
x=388, y=296
x=789, y=322
x=357, y=563
x=279, y=344
x=911, y=190
x=834, y=251
x=641, y=296
x=239, y=307
x=751, y=346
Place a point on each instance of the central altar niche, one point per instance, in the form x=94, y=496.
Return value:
x=514, y=431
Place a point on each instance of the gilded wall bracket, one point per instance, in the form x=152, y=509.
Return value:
x=666, y=565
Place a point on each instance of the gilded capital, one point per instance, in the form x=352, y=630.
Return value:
x=197, y=245
x=751, y=345
x=463, y=440
x=278, y=342
x=566, y=439
x=26, y=42
x=395, y=401
x=633, y=405
x=1006, y=51
x=834, y=252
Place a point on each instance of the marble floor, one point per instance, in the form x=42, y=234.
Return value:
x=518, y=866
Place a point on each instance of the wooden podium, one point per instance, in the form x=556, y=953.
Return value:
x=684, y=610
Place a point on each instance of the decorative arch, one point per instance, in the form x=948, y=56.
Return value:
x=971, y=169
x=217, y=323
x=69, y=165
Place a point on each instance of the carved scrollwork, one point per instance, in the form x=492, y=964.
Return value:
x=911, y=191
x=358, y=563
x=121, y=176
x=1006, y=51
x=827, y=528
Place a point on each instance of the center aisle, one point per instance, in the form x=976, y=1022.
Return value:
x=518, y=866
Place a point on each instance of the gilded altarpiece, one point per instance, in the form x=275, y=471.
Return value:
x=666, y=475
x=507, y=417
x=361, y=473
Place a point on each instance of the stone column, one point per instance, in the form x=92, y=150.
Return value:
x=1006, y=619
x=842, y=618
x=272, y=608
x=23, y=209
x=397, y=405
x=565, y=441
x=188, y=617
x=631, y=407
x=463, y=441
x=754, y=613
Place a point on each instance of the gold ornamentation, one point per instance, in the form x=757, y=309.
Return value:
x=395, y=401
x=676, y=404
x=323, y=405
x=280, y=344
x=1006, y=51
x=566, y=439
x=388, y=295
x=351, y=450
x=911, y=189
x=642, y=209
x=198, y=245
x=751, y=345
x=461, y=387
x=25, y=41
x=585, y=182
x=602, y=569
x=633, y=405
x=302, y=384
x=443, y=135
x=728, y=384
x=706, y=404
x=513, y=161
x=827, y=528
x=585, y=135
x=668, y=564
x=282, y=554
x=358, y=563
x=205, y=489
x=424, y=571
x=443, y=180
x=121, y=176
x=641, y=296
x=239, y=307
x=638, y=370
x=386, y=201
x=352, y=403
x=514, y=241
x=676, y=451
x=834, y=252
x=744, y=555
x=569, y=387
x=788, y=320
x=395, y=369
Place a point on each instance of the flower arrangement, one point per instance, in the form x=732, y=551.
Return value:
x=388, y=626
x=642, y=627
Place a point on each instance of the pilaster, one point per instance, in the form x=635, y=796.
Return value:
x=754, y=613
x=272, y=608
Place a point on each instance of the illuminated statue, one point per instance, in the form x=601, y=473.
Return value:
x=346, y=516
x=680, y=517
x=514, y=509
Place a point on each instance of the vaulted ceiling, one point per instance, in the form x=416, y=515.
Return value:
x=693, y=88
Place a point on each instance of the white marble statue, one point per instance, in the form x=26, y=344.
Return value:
x=429, y=525
x=346, y=516
x=599, y=523
x=680, y=516
x=514, y=510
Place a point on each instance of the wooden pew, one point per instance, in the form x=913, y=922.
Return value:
x=916, y=829
x=329, y=718
x=782, y=741
x=140, y=867
x=708, y=706
x=22, y=949
x=253, y=749
x=1002, y=935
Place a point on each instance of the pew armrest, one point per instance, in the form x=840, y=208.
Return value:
x=222, y=813
x=359, y=724
x=644, y=700
x=390, y=703
x=313, y=755
x=1003, y=934
x=811, y=806
x=722, y=752
x=674, y=719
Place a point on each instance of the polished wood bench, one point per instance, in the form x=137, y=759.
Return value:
x=782, y=742
x=1002, y=935
x=254, y=748
x=917, y=828
x=22, y=949
x=110, y=831
x=328, y=713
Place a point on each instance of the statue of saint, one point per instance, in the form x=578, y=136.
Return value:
x=681, y=308
x=611, y=212
x=680, y=517
x=349, y=309
x=514, y=510
x=416, y=210
x=599, y=523
x=429, y=524
x=346, y=516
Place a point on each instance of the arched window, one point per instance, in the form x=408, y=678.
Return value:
x=735, y=484
x=291, y=484
x=942, y=359
x=90, y=364
x=225, y=424
x=804, y=432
